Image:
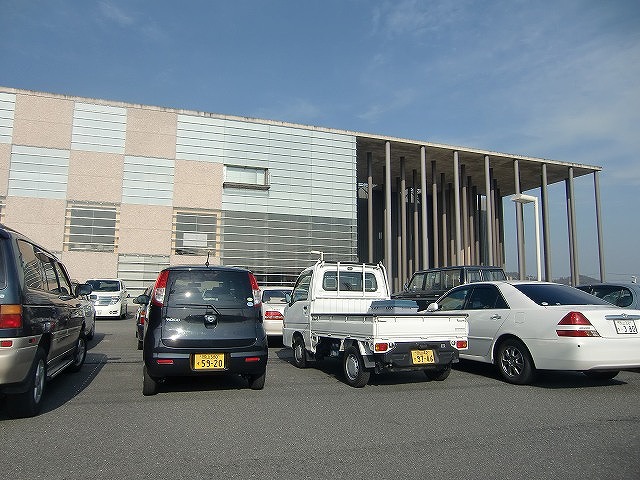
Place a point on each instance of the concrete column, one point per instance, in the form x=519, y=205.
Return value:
x=473, y=229
x=416, y=226
x=573, y=241
x=402, y=272
x=546, y=233
x=489, y=223
x=423, y=193
x=370, y=205
x=466, y=254
x=522, y=267
x=456, y=202
x=399, y=256
x=387, y=226
x=434, y=214
x=596, y=187
x=445, y=224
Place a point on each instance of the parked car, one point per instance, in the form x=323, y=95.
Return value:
x=109, y=297
x=621, y=294
x=204, y=321
x=274, y=299
x=426, y=286
x=42, y=322
x=522, y=327
x=141, y=314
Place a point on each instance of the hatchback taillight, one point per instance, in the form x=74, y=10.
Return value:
x=10, y=316
x=575, y=324
x=160, y=288
x=255, y=288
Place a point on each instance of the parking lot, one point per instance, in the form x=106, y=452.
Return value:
x=310, y=424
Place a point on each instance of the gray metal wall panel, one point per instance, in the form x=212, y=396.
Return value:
x=38, y=172
x=7, y=112
x=99, y=128
x=147, y=180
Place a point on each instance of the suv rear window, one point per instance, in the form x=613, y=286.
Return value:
x=220, y=288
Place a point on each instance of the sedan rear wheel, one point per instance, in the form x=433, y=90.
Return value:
x=515, y=363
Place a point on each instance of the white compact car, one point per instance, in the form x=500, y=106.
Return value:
x=274, y=299
x=109, y=297
x=522, y=327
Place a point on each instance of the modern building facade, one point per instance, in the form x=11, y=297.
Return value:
x=121, y=190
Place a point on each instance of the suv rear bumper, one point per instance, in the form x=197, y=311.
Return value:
x=16, y=361
x=252, y=362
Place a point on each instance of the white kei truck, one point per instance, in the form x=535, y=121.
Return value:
x=345, y=310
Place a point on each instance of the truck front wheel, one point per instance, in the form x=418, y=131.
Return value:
x=353, y=365
x=299, y=352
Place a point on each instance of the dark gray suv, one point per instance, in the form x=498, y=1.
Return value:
x=42, y=322
x=203, y=321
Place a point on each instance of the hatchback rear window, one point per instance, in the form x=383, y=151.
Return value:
x=550, y=294
x=220, y=288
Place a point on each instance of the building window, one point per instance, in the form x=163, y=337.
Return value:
x=195, y=232
x=246, y=177
x=91, y=227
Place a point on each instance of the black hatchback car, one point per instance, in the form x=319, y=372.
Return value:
x=204, y=321
x=42, y=322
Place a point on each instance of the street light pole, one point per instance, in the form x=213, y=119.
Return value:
x=522, y=199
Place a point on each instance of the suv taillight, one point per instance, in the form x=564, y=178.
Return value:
x=10, y=316
x=255, y=288
x=160, y=288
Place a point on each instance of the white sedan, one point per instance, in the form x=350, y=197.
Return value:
x=522, y=327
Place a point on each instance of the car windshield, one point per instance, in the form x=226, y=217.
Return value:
x=275, y=296
x=104, y=285
x=220, y=288
x=546, y=294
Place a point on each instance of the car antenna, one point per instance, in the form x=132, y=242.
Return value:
x=206, y=264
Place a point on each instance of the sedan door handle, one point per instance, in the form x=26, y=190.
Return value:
x=495, y=317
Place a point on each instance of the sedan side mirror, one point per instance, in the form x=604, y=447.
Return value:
x=433, y=307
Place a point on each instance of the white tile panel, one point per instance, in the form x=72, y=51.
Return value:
x=148, y=181
x=99, y=128
x=7, y=112
x=38, y=172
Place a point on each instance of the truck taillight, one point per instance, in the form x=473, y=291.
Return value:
x=381, y=347
x=160, y=288
x=575, y=324
x=255, y=288
x=10, y=316
x=462, y=344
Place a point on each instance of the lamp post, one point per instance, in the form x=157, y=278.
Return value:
x=522, y=199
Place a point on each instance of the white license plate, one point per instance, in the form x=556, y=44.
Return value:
x=625, y=326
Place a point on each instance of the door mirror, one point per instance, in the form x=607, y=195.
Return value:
x=83, y=289
x=433, y=307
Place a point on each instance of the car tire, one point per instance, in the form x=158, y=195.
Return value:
x=515, y=362
x=299, y=352
x=256, y=382
x=355, y=373
x=92, y=331
x=79, y=353
x=438, y=374
x=29, y=403
x=149, y=384
x=601, y=374
x=139, y=344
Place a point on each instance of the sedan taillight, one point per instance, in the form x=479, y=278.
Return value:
x=273, y=315
x=575, y=324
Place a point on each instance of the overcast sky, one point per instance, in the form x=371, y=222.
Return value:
x=557, y=79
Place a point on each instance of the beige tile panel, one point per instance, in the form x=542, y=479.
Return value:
x=95, y=176
x=145, y=229
x=193, y=260
x=197, y=185
x=40, y=219
x=84, y=265
x=5, y=162
x=151, y=133
x=42, y=121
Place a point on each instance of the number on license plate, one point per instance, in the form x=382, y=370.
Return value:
x=420, y=357
x=625, y=326
x=208, y=361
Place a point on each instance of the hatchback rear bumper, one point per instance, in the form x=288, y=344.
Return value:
x=181, y=364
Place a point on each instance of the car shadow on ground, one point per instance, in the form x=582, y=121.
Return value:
x=227, y=381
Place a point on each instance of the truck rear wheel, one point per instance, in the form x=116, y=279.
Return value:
x=438, y=374
x=299, y=352
x=355, y=373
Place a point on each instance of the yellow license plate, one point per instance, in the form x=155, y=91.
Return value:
x=420, y=357
x=208, y=361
